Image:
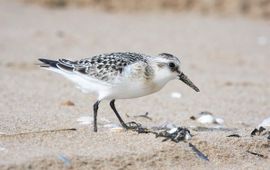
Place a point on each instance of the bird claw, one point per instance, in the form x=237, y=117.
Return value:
x=134, y=126
x=179, y=134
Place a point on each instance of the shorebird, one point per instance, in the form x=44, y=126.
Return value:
x=121, y=75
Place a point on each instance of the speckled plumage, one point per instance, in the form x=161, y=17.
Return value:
x=105, y=67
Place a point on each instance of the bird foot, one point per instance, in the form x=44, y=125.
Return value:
x=134, y=126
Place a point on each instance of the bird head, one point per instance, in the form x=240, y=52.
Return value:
x=171, y=65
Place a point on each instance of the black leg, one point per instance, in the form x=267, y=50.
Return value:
x=130, y=125
x=117, y=114
x=95, y=107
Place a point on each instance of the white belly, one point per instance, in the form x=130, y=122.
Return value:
x=123, y=89
x=130, y=90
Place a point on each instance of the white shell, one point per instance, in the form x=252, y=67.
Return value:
x=172, y=130
x=206, y=119
x=219, y=121
x=209, y=118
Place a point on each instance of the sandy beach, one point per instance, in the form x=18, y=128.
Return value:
x=226, y=57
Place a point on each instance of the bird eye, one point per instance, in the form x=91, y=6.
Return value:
x=172, y=65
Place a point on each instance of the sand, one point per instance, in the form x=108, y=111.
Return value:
x=226, y=57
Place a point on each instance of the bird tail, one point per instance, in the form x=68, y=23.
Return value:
x=47, y=63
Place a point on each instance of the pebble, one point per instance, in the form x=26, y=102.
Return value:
x=68, y=103
x=208, y=118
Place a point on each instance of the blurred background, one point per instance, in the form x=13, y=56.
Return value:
x=251, y=8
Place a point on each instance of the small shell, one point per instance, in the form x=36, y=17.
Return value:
x=206, y=119
x=172, y=130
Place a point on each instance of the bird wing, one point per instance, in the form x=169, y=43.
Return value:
x=105, y=67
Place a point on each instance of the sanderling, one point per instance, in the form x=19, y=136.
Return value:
x=121, y=75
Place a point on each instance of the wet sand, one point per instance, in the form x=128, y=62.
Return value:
x=227, y=58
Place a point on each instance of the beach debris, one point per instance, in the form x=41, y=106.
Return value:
x=206, y=117
x=257, y=132
x=171, y=132
x=165, y=126
x=65, y=159
x=234, y=135
x=40, y=132
x=68, y=103
x=263, y=129
x=168, y=131
x=198, y=152
x=175, y=134
x=143, y=116
x=192, y=117
x=58, y=130
x=257, y=154
x=176, y=95
x=218, y=128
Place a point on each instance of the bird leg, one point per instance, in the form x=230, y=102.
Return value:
x=117, y=114
x=130, y=125
x=95, y=107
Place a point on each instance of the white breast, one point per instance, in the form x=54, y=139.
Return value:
x=133, y=87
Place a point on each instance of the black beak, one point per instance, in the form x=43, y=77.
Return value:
x=188, y=82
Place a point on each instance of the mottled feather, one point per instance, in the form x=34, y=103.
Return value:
x=105, y=67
